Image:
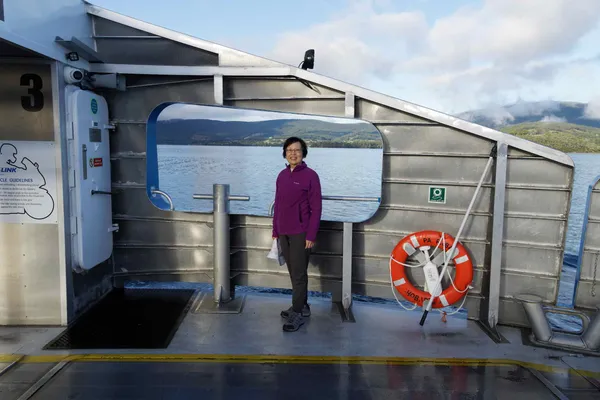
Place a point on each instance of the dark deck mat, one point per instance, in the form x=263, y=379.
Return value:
x=128, y=319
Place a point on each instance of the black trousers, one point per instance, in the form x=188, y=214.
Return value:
x=296, y=257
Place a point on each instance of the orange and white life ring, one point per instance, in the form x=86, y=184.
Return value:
x=425, y=240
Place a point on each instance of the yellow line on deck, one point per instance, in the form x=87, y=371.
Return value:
x=287, y=359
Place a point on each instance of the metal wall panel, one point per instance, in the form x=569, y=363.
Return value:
x=418, y=153
x=435, y=168
x=152, y=243
x=253, y=88
x=140, y=261
x=151, y=51
x=128, y=170
x=117, y=43
x=30, y=267
x=17, y=122
x=333, y=108
x=164, y=233
x=132, y=201
x=587, y=291
x=104, y=27
x=433, y=139
x=371, y=111
x=128, y=139
x=136, y=103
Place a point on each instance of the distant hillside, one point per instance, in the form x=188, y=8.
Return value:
x=568, y=138
x=564, y=126
x=541, y=111
x=266, y=133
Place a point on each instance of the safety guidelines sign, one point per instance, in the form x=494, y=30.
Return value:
x=27, y=182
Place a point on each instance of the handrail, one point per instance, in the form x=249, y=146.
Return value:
x=335, y=198
x=165, y=195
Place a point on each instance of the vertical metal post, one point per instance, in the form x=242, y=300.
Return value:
x=218, y=89
x=221, y=243
x=349, y=111
x=222, y=299
x=347, y=267
x=497, y=236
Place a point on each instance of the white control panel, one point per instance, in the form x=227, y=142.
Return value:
x=89, y=178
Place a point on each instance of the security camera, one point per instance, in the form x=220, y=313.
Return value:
x=73, y=75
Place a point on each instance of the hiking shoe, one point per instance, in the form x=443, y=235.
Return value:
x=305, y=311
x=294, y=322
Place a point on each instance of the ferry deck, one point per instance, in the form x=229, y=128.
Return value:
x=141, y=300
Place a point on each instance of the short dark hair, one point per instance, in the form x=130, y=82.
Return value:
x=293, y=140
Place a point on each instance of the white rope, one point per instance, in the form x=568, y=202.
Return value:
x=427, y=259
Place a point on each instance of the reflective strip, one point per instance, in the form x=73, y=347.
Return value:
x=414, y=241
x=399, y=282
x=409, y=249
x=462, y=259
x=444, y=300
x=454, y=253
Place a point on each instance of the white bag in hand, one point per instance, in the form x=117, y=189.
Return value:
x=275, y=253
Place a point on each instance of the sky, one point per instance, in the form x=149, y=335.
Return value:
x=449, y=55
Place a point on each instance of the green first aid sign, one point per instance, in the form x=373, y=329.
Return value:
x=437, y=194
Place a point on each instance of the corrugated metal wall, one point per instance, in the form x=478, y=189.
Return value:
x=154, y=244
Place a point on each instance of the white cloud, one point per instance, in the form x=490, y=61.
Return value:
x=491, y=52
x=592, y=111
x=356, y=44
x=553, y=118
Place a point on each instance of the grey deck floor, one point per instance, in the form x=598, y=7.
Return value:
x=385, y=354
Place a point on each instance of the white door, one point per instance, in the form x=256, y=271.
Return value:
x=89, y=178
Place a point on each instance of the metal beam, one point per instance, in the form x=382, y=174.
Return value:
x=497, y=235
x=350, y=112
x=79, y=47
x=218, y=89
x=170, y=70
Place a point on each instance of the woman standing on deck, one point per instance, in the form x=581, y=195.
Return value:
x=296, y=219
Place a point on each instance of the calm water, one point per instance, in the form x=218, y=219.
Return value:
x=252, y=171
x=187, y=170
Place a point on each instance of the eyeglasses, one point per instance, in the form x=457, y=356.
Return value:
x=289, y=151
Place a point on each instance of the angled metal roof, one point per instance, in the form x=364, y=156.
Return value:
x=239, y=63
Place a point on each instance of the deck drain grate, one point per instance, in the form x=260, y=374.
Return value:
x=128, y=319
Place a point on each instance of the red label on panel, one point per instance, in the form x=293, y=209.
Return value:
x=97, y=162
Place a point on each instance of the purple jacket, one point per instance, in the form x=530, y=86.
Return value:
x=297, y=202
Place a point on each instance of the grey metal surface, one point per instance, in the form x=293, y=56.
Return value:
x=30, y=259
x=63, y=196
x=587, y=291
x=17, y=122
x=221, y=240
x=227, y=56
x=226, y=380
x=422, y=148
x=20, y=378
x=493, y=282
x=221, y=244
x=248, y=354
